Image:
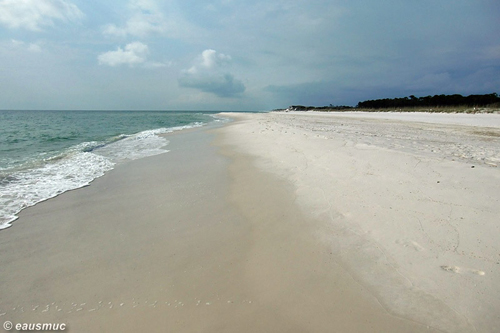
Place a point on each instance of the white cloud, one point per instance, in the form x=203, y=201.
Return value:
x=17, y=43
x=149, y=17
x=153, y=64
x=134, y=53
x=35, y=14
x=146, y=18
x=32, y=47
x=209, y=60
x=208, y=76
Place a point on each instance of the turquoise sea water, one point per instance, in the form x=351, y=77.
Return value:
x=46, y=153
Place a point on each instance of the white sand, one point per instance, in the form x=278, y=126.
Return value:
x=467, y=119
x=411, y=204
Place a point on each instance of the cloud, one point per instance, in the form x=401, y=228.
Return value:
x=146, y=19
x=153, y=17
x=32, y=47
x=209, y=60
x=208, y=76
x=134, y=53
x=153, y=64
x=35, y=14
x=223, y=85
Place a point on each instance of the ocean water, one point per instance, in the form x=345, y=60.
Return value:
x=46, y=153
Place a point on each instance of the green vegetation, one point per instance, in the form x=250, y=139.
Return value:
x=436, y=103
x=317, y=108
x=432, y=101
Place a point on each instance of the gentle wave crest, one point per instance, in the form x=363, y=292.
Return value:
x=29, y=187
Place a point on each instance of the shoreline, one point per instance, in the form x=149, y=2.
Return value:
x=75, y=161
x=227, y=232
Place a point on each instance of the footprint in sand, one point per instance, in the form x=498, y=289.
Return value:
x=462, y=270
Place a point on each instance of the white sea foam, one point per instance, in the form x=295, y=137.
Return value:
x=75, y=168
x=34, y=185
x=136, y=146
x=218, y=118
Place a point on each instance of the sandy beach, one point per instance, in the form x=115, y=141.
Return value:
x=274, y=222
x=408, y=202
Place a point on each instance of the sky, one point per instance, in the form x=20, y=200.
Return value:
x=242, y=54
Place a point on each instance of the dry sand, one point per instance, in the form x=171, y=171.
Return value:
x=411, y=207
x=290, y=223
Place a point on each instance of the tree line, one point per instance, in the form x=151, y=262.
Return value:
x=432, y=101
